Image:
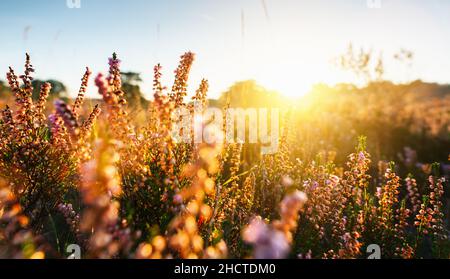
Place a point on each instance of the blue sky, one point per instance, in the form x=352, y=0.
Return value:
x=286, y=46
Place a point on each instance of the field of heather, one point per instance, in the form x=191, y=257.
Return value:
x=280, y=136
x=98, y=180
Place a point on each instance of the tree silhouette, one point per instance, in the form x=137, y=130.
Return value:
x=132, y=90
x=58, y=90
x=248, y=93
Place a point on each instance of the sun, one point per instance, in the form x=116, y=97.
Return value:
x=290, y=81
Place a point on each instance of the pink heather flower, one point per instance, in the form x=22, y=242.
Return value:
x=298, y=197
x=361, y=156
x=306, y=256
x=346, y=237
x=114, y=72
x=344, y=220
x=286, y=181
x=306, y=183
x=293, y=202
x=52, y=119
x=268, y=243
x=178, y=199
x=378, y=193
x=101, y=84
x=255, y=230
x=114, y=63
x=310, y=185
x=334, y=179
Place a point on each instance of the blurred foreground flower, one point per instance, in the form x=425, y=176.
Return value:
x=271, y=241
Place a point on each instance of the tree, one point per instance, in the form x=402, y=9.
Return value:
x=58, y=90
x=248, y=93
x=4, y=90
x=132, y=90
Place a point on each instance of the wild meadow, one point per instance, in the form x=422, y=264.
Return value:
x=357, y=170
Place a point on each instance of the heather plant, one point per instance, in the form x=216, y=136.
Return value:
x=273, y=241
x=39, y=153
x=16, y=238
x=432, y=235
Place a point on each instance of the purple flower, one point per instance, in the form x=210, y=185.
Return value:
x=268, y=242
x=114, y=63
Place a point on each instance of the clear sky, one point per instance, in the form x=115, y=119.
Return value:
x=285, y=45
